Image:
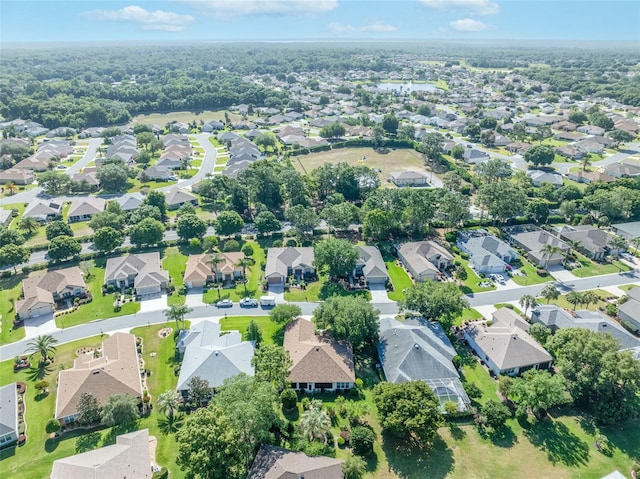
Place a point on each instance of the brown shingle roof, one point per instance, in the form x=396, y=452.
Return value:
x=40, y=288
x=277, y=463
x=317, y=359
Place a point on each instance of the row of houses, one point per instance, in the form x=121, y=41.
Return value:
x=177, y=149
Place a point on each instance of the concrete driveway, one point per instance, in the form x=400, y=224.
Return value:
x=379, y=294
x=194, y=297
x=44, y=324
x=153, y=303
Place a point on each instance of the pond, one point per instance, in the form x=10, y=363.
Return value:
x=406, y=87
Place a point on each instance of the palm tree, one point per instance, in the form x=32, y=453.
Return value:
x=43, y=345
x=168, y=402
x=10, y=188
x=177, y=312
x=527, y=301
x=575, y=298
x=585, y=162
x=29, y=225
x=636, y=242
x=244, y=263
x=575, y=245
x=315, y=423
x=617, y=243
x=214, y=261
x=550, y=292
x=589, y=297
x=548, y=250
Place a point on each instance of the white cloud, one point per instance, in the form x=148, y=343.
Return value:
x=469, y=25
x=377, y=27
x=234, y=8
x=478, y=7
x=156, y=20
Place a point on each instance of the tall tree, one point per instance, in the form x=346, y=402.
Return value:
x=190, y=226
x=177, y=312
x=146, y=232
x=63, y=247
x=302, y=217
x=539, y=155
x=107, y=239
x=120, y=409
x=550, y=292
x=315, y=423
x=88, y=409
x=157, y=199
x=436, y=301
x=266, y=222
x=229, y=223
x=548, y=251
x=575, y=298
x=338, y=255
x=58, y=228
x=349, y=317
x=272, y=364
x=44, y=345
x=29, y=225
x=199, y=390
x=285, y=313
x=214, y=261
x=431, y=146
x=527, y=302
x=13, y=255
x=536, y=391
x=168, y=402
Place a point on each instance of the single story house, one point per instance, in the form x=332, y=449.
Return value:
x=9, y=424
x=158, y=173
x=129, y=457
x=623, y=170
x=412, y=350
x=473, y=155
x=570, y=152
x=591, y=241
x=88, y=177
x=582, y=176
x=630, y=310
x=5, y=217
x=320, y=363
x=371, y=265
x=34, y=163
x=199, y=269
x=533, y=240
x=556, y=318
x=539, y=176
x=506, y=346
x=130, y=201
x=141, y=271
x=16, y=176
x=284, y=262
x=116, y=371
x=409, y=178
x=629, y=230
x=176, y=197
x=41, y=291
x=276, y=463
x=424, y=259
x=43, y=211
x=212, y=356
x=487, y=254
x=83, y=209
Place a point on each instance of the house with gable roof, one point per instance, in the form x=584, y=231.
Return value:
x=176, y=197
x=141, y=271
x=276, y=463
x=284, y=262
x=9, y=423
x=425, y=259
x=487, y=254
x=320, y=363
x=199, y=269
x=41, y=291
x=370, y=265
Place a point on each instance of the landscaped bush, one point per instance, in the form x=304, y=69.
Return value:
x=292, y=242
x=612, y=310
x=289, y=399
x=53, y=425
x=629, y=327
x=362, y=439
x=472, y=390
x=277, y=243
x=542, y=272
x=247, y=249
x=464, y=255
x=231, y=245
x=317, y=448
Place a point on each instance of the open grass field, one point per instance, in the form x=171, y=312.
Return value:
x=162, y=119
x=175, y=262
x=394, y=160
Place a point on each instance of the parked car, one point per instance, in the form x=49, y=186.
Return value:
x=627, y=256
x=249, y=303
x=224, y=303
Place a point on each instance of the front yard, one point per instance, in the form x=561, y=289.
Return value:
x=473, y=282
x=591, y=268
x=529, y=273
x=321, y=290
x=400, y=280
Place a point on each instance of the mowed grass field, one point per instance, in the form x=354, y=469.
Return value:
x=162, y=119
x=393, y=160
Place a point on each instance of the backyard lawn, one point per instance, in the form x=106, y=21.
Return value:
x=101, y=307
x=591, y=268
x=175, y=262
x=272, y=332
x=400, y=280
x=11, y=288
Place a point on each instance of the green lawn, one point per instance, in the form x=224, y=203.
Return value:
x=532, y=276
x=591, y=268
x=101, y=307
x=563, y=303
x=321, y=290
x=11, y=288
x=470, y=285
x=271, y=332
x=625, y=287
x=469, y=314
x=19, y=207
x=175, y=262
x=508, y=305
x=400, y=280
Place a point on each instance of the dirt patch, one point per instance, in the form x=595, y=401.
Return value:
x=164, y=332
x=393, y=160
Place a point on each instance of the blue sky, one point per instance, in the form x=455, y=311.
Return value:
x=184, y=20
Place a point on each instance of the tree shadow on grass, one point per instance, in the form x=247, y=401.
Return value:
x=170, y=425
x=88, y=442
x=36, y=373
x=457, y=433
x=502, y=437
x=7, y=453
x=278, y=336
x=414, y=462
x=41, y=396
x=560, y=444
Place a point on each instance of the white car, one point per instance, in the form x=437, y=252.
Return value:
x=249, y=303
x=224, y=303
x=627, y=256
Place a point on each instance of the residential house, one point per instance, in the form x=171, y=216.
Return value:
x=409, y=178
x=276, y=463
x=141, y=271
x=212, y=356
x=425, y=259
x=582, y=176
x=130, y=201
x=412, y=350
x=540, y=176
x=629, y=311
x=506, y=346
x=43, y=211
x=284, y=262
x=370, y=265
x=129, y=457
x=9, y=429
x=487, y=254
x=570, y=152
x=157, y=173
x=41, y=291
x=629, y=231
x=199, y=269
x=556, y=318
x=89, y=177
x=320, y=363
x=473, y=155
x=176, y=197
x=590, y=145
x=35, y=164
x=518, y=147
x=116, y=371
x=533, y=240
x=623, y=170
x=83, y=209
x=591, y=130
x=16, y=176
x=590, y=241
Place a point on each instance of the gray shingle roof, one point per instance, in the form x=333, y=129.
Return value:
x=277, y=463
x=8, y=409
x=373, y=264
